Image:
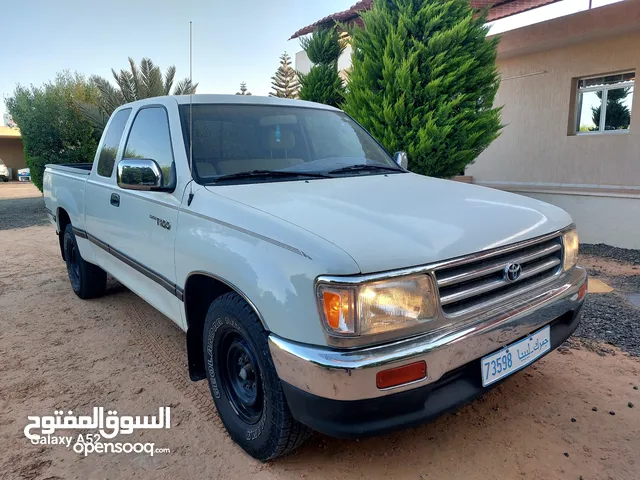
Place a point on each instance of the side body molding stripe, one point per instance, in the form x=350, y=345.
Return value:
x=249, y=232
x=79, y=233
x=147, y=272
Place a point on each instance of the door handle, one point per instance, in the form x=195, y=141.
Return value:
x=115, y=199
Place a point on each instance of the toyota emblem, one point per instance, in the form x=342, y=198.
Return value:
x=512, y=272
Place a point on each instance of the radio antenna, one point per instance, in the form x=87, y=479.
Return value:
x=190, y=113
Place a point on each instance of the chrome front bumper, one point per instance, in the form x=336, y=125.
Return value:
x=351, y=374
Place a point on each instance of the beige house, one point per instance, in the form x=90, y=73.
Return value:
x=553, y=75
x=572, y=120
x=11, y=151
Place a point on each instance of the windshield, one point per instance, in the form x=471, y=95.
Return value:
x=235, y=139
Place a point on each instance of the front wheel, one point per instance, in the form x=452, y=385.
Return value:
x=244, y=383
x=87, y=280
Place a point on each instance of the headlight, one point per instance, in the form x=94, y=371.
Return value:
x=377, y=307
x=570, y=241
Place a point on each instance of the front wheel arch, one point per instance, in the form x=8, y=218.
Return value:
x=200, y=290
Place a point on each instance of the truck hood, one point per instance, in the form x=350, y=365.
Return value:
x=401, y=220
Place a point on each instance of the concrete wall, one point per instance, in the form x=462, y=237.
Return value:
x=12, y=154
x=610, y=220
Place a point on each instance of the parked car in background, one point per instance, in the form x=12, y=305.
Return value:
x=5, y=172
x=24, y=174
x=321, y=285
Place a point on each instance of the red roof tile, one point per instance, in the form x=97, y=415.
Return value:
x=498, y=9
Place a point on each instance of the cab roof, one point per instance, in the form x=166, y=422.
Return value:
x=236, y=99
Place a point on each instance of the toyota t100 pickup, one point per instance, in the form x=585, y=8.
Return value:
x=321, y=285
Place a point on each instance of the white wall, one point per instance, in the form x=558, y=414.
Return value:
x=344, y=62
x=611, y=220
x=303, y=64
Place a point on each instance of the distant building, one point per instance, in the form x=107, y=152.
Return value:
x=572, y=121
x=11, y=150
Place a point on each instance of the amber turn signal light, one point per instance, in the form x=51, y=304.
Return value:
x=401, y=375
x=337, y=310
x=582, y=291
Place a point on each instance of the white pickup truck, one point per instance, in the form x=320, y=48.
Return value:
x=320, y=284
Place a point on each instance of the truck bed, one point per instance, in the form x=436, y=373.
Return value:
x=75, y=168
x=63, y=187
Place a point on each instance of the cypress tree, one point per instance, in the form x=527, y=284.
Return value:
x=618, y=115
x=243, y=89
x=424, y=80
x=285, y=82
x=322, y=84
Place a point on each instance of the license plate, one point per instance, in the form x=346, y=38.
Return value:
x=516, y=356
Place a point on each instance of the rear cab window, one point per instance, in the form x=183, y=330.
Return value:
x=112, y=136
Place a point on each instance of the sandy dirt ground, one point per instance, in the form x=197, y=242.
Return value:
x=57, y=351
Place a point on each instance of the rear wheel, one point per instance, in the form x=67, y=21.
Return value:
x=244, y=383
x=87, y=280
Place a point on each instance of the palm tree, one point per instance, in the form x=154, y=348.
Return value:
x=131, y=85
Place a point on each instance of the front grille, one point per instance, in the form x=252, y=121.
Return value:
x=477, y=284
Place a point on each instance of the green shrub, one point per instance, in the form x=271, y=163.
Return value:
x=424, y=80
x=52, y=128
x=323, y=83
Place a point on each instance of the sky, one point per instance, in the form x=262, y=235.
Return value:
x=232, y=41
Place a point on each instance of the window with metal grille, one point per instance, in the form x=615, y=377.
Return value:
x=604, y=103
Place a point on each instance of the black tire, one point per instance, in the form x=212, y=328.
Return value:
x=252, y=406
x=87, y=280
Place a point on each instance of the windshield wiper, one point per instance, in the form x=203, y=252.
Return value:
x=363, y=167
x=269, y=173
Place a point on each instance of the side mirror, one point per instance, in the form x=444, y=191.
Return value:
x=401, y=159
x=139, y=174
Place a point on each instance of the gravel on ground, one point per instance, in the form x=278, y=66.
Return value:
x=626, y=255
x=612, y=317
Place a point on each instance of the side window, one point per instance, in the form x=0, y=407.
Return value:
x=111, y=141
x=149, y=138
x=604, y=103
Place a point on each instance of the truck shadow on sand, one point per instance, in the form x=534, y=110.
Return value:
x=459, y=431
x=22, y=213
